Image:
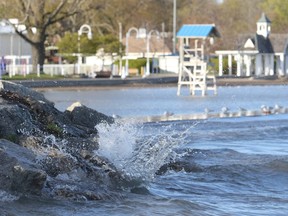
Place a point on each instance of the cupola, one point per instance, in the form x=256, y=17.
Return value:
x=264, y=26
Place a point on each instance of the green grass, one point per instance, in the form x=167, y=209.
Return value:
x=32, y=76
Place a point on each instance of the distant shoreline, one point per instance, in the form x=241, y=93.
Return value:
x=222, y=81
x=157, y=80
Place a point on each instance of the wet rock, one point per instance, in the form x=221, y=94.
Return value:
x=63, y=142
x=83, y=146
x=23, y=92
x=15, y=120
x=39, y=112
x=18, y=170
x=31, y=142
x=87, y=117
x=24, y=112
x=54, y=165
x=178, y=166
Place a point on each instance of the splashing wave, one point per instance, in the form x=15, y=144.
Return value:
x=137, y=152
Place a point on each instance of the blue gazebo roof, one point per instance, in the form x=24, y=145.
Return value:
x=198, y=31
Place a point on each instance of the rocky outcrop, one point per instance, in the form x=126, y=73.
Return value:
x=18, y=170
x=43, y=150
x=86, y=117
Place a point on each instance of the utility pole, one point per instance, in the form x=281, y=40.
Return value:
x=120, y=48
x=174, y=26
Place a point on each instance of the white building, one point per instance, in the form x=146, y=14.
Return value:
x=13, y=49
x=153, y=45
x=11, y=44
x=262, y=54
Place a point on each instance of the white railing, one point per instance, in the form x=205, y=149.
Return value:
x=60, y=69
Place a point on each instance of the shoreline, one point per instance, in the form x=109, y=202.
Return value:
x=155, y=80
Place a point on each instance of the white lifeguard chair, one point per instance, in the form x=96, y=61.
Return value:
x=193, y=66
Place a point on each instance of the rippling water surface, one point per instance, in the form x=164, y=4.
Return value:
x=227, y=166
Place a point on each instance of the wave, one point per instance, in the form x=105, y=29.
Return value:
x=227, y=162
x=137, y=152
x=7, y=197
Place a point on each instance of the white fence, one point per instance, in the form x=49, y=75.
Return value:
x=60, y=69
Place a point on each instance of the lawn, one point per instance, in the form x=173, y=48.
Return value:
x=32, y=76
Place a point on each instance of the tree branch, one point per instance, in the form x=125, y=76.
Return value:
x=58, y=14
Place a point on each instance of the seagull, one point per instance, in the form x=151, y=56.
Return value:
x=242, y=111
x=116, y=116
x=277, y=108
x=206, y=110
x=167, y=113
x=265, y=109
x=224, y=110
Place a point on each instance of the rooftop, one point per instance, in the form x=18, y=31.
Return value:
x=198, y=31
x=264, y=19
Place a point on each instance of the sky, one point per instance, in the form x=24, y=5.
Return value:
x=220, y=1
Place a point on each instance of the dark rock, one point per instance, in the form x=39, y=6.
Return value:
x=83, y=146
x=178, y=166
x=86, y=117
x=65, y=143
x=26, y=112
x=58, y=164
x=23, y=92
x=14, y=121
x=18, y=170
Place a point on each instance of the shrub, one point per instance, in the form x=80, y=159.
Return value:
x=214, y=65
x=135, y=63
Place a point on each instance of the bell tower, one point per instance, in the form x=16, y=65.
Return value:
x=264, y=26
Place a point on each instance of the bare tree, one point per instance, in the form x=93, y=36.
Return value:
x=40, y=16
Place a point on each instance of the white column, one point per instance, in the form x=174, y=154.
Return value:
x=266, y=65
x=271, y=65
x=285, y=69
x=220, y=65
x=147, y=73
x=258, y=65
x=239, y=64
x=281, y=64
x=79, y=63
x=230, y=64
x=286, y=64
x=248, y=65
x=123, y=75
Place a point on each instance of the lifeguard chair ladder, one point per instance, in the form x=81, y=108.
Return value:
x=193, y=68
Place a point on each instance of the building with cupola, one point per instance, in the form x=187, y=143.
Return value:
x=260, y=54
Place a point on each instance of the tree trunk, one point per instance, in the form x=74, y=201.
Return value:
x=38, y=57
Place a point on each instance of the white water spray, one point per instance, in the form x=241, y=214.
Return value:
x=137, y=152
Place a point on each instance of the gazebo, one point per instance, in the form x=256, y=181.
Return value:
x=193, y=64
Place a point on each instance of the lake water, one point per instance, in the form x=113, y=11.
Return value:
x=224, y=166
